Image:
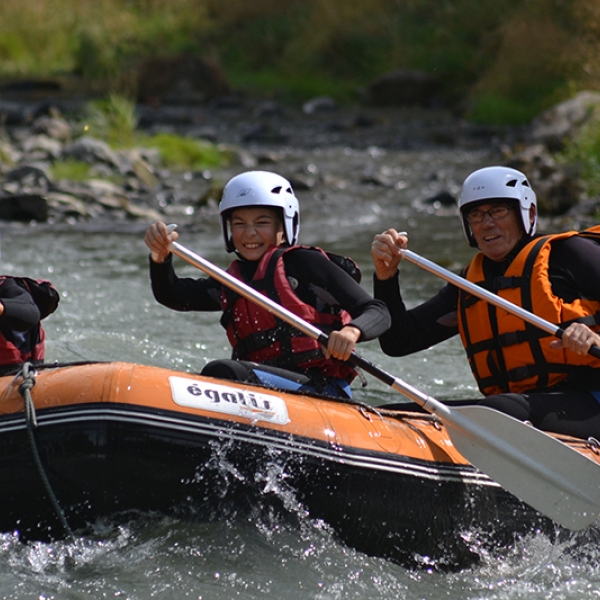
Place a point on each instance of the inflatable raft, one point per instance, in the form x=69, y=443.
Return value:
x=101, y=439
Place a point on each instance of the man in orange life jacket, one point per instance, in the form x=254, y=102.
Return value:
x=24, y=303
x=260, y=222
x=521, y=370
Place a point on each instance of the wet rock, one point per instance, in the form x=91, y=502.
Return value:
x=68, y=205
x=261, y=132
x=444, y=198
x=143, y=212
x=29, y=177
x=268, y=158
x=54, y=127
x=90, y=150
x=239, y=156
x=586, y=208
x=41, y=147
x=376, y=178
x=301, y=181
x=12, y=113
x=556, y=189
x=268, y=109
x=363, y=120
x=24, y=208
x=563, y=121
x=319, y=104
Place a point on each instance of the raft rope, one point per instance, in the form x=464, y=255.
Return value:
x=31, y=419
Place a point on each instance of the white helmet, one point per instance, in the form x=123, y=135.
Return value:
x=497, y=183
x=260, y=188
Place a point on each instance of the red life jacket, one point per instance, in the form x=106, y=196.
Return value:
x=46, y=298
x=507, y=354
x=256, y=335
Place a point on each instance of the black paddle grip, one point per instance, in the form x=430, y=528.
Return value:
x=369, y=367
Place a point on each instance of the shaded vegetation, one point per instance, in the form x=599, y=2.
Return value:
x=501, y=61
x=584, y=151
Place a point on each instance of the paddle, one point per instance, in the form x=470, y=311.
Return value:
x=538, y=469
x=480, y=292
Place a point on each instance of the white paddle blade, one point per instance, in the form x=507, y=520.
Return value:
x=538, y=469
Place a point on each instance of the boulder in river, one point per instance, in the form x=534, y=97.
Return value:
x=563, y=121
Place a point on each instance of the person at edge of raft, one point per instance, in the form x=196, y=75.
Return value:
x=24, y=302
x=521, y=370
x=259, y=216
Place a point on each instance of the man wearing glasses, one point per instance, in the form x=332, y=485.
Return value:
x=520, y=370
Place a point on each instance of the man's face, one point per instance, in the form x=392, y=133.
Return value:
x=496, y=227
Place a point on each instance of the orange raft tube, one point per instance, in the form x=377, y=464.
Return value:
x=116, y=437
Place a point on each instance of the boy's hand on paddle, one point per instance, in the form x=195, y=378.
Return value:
x=386, y=252
x=158, y=239
x=341, y=343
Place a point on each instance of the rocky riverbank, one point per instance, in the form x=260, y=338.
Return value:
x=127, y=189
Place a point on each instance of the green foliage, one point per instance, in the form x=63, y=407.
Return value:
x=495, y=110
x=184, y=153
x=72, y=170
x=113, y=120
x=509, y=59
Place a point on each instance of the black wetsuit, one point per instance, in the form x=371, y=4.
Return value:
x=309, y=268
x=571, y=407
x=20, y=319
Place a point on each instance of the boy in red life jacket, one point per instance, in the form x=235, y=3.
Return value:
x=24, y=303
x=520, y=370
x=260, y=222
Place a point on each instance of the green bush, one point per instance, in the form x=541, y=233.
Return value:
x=113, y=120
x=184, y=153
x=72, y=170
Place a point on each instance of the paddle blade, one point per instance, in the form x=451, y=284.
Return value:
x=538, y=469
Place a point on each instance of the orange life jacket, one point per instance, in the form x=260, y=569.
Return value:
x=505, y=353
x=256, y=335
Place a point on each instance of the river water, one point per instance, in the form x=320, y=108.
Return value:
x=107, y=312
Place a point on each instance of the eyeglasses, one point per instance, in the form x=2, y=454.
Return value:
x=499, y=211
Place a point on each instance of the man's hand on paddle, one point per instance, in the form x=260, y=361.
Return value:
x=386, y=254
x=577, y=337
x=158, y=239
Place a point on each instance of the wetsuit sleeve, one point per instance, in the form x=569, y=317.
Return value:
x=314, y=270
x=575, y=268
x=419, y=328
x=20, y=311
x=183, y=293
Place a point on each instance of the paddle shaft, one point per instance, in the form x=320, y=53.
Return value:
x=535, y=467
x=494, y=299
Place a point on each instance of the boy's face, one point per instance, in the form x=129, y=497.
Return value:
x=254, y=230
